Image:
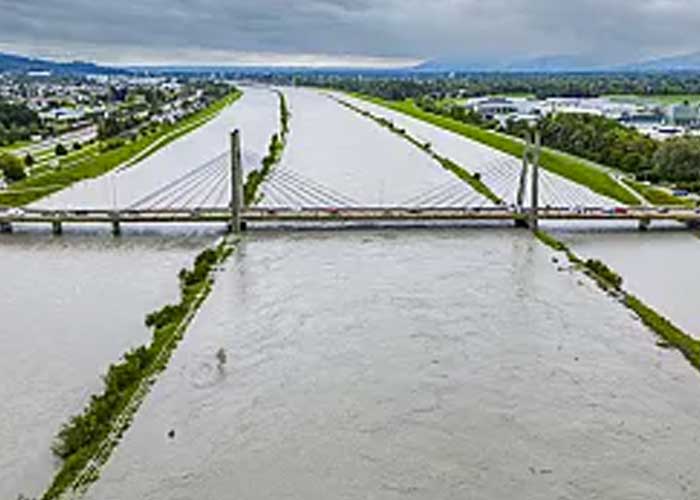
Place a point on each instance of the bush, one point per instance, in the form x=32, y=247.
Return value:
x=162, y=317
x=604, y=272
x=11, y=167
x=77, y=146
x=60, y=150
x=28, y=160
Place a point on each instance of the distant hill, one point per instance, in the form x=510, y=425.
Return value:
x=684, y=62
x=20, y=64
x=545, y=64
x=562, y=64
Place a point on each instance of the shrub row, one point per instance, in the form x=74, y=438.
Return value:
x=610, y=280
x=256, y=177
x=78, y=440
x=473, y=179
x=569, y=167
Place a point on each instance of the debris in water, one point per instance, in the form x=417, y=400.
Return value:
x=171, y=433
x=221, y=356
x=663, y=344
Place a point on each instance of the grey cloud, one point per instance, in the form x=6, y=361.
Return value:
x=611, y=29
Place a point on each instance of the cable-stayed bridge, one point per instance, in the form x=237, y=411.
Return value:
x=213, y=193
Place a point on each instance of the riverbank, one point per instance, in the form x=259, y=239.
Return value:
x=473, y=180
x=86, y=441
x=123, y=155
x=565, y=166
x=278, y=141
x=611, y=282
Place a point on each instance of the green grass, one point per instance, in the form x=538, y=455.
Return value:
x=656, y=195
x=278, y=141
x=461, y=172
x=50, y=181
x=664, y=100
x=674, y=336
x=610, y=281
x=15, y=146
x=86, y=440
x=566, y=166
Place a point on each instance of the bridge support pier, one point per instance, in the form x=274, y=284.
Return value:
x=644, y=224
x=521, y=223
x=235, y=224
x=5, y=227
x=57, y=227
x=116, y=226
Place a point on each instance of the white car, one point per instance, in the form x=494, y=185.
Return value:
x=13, y=212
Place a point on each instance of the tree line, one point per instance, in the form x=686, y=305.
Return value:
x=17, y=123
x=598, y=139
x=412, y=85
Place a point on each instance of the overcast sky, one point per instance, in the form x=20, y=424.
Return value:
x=375, y=32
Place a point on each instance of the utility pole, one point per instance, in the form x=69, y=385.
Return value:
x=235, y=224
x=534, y=206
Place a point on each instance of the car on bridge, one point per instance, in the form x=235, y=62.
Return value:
x=12, y=212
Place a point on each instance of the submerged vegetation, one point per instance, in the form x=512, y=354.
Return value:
x=473, y=179
x=610, y=281
x=86, y=440
x=256, y=177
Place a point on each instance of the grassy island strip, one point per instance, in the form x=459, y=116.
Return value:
x=86, y=441
x=278, y=141
x=110, y=155
x=566, y=166
x=611, y=282
x=656, y=195
x=473, y=180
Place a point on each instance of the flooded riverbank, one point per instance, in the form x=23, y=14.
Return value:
x=75, y=304
x=438, y=364
x=658, y=266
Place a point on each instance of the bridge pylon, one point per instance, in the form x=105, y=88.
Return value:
x=236, y=204
x=531, y=160
x=535, y=188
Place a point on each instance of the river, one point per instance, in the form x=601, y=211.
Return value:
x=330, y=146
x=73, y=305
x=429, y=364
x=382, y=364
x=659, y=265
x=498, y=170
x=453, y=363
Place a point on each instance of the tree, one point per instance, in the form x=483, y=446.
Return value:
x=678, y=159
x=61, y=150
x=77, y=146
x=29, y=160
x=11, y=167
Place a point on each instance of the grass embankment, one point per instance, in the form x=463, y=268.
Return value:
x=85, y=442
x=278, y=141
x=609, y=280
x=50, y=181
x=655, y=195
x=473, y=180
x=666, y=100
x=564, y=165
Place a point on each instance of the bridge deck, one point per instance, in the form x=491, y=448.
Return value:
x=335, y=215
